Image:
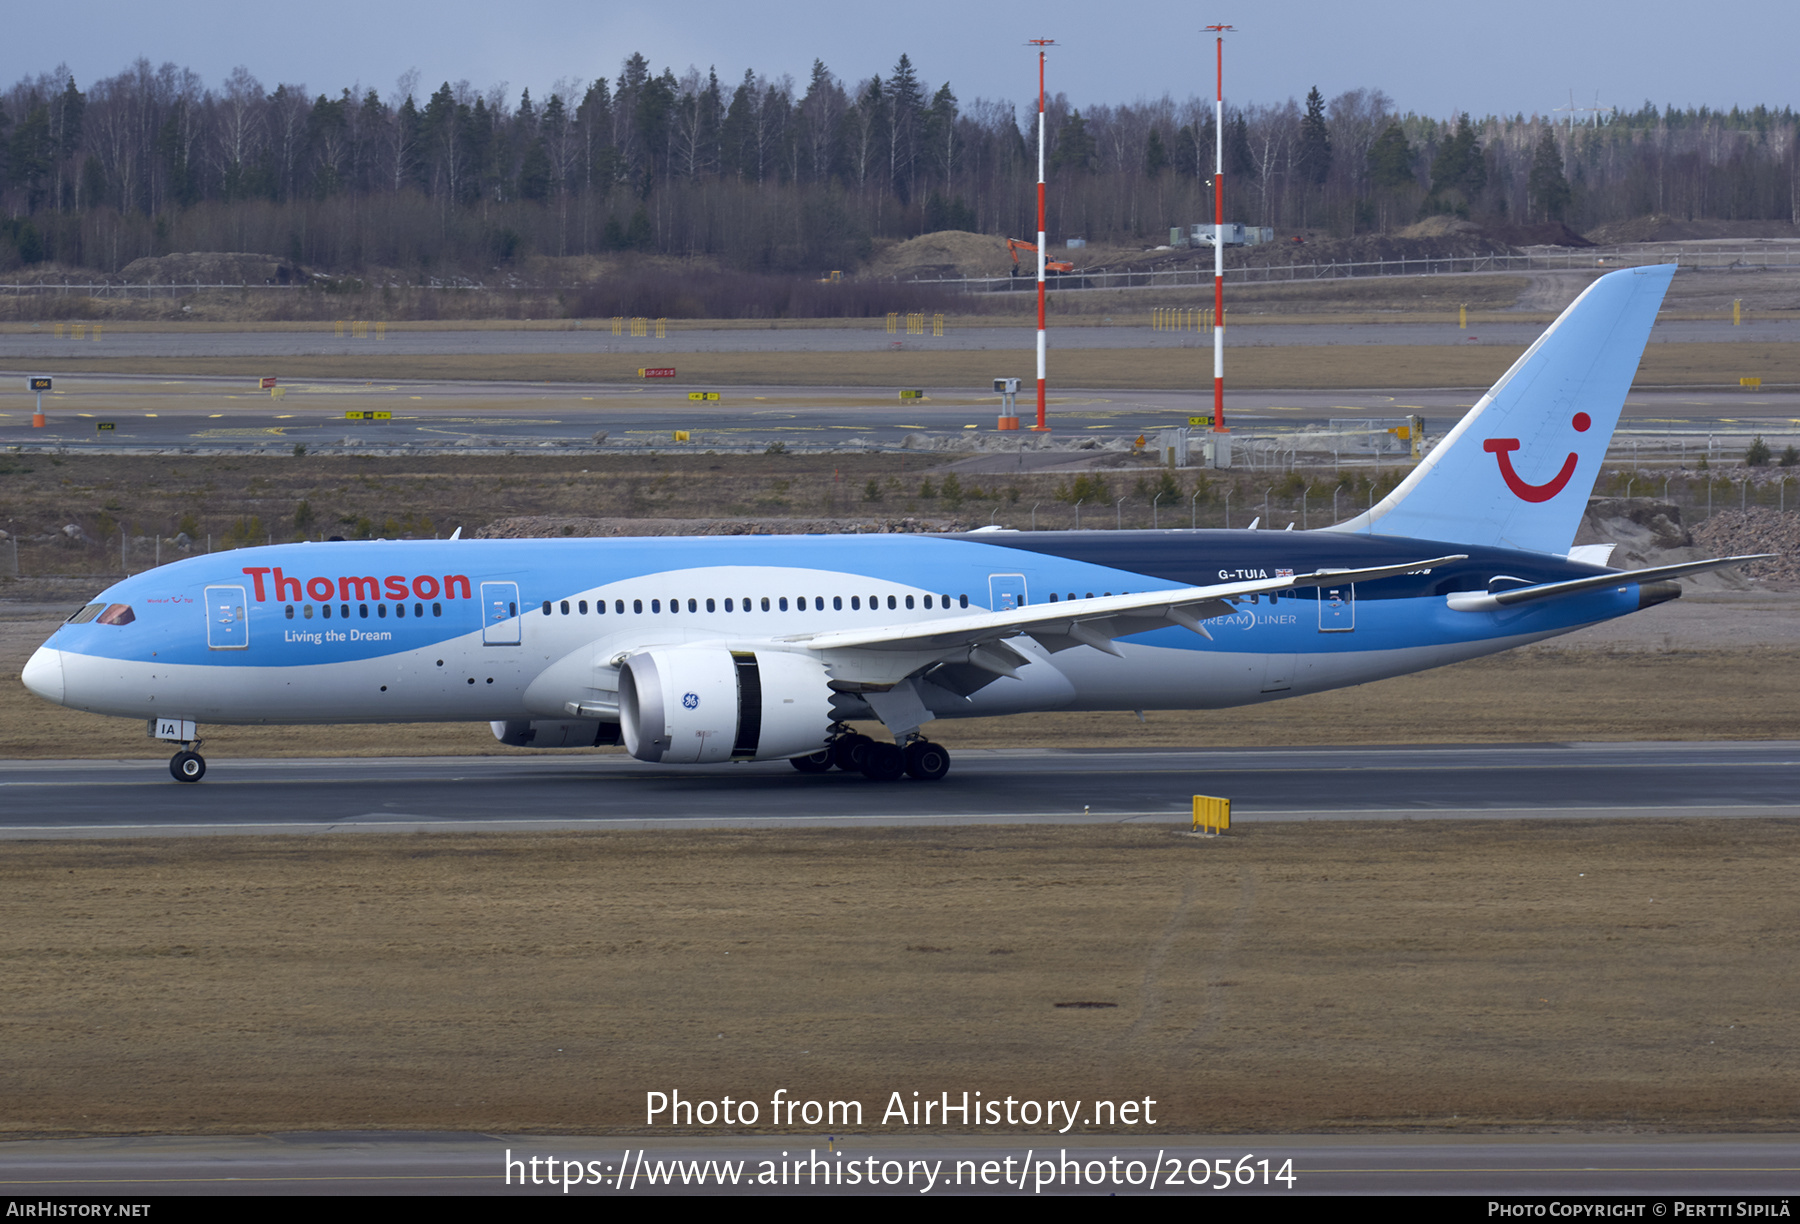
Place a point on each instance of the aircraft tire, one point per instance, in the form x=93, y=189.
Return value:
x=849, y=752
x=883, y=762
x=813, y=762
x=187, y=766
x=927, y=761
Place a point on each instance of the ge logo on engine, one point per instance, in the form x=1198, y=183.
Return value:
x=691, y=701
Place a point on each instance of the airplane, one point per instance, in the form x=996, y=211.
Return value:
x=708, y=650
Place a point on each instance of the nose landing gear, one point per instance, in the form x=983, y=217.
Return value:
x=187, y=765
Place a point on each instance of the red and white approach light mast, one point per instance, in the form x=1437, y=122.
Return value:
x=1218, y=239
x=1040, y=44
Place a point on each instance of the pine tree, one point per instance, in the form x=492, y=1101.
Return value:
x=1315, y=141
x=1548, y=189
x=1156, y=157
x=1391, y=160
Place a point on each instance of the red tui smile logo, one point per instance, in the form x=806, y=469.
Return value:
x=1502, y=448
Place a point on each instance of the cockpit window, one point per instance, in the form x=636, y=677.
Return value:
x=84, y=615
x=117, y=614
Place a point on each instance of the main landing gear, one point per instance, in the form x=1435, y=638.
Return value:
x=188, y=765
x=880, y=762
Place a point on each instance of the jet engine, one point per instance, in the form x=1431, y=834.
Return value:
x=698, y=705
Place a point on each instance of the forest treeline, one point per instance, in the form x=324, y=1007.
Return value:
x=774, y=176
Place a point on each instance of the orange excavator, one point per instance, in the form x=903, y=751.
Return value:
x=1052, y=267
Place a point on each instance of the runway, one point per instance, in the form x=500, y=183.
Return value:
x=40, y=799
x=1036, y=1164
x=211, y=414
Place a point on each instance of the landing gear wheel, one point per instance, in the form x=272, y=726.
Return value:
x=813, y=762
x=187, y=766
x=883, y=762
x=927, y=761
x=849, y=752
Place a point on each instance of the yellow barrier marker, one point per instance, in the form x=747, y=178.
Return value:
x=1737, y=311
x=381, y=330
x=337, y=329
x=1212, y=815
x=96, y=331
x=1751, y=383
x=1462, y=316
x=703, y=395
x=893, y=318
x=662, y=329
x=915, y=393
x=681, y=435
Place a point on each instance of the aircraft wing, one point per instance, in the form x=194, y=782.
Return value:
x=884, y=655
x=1484, y=601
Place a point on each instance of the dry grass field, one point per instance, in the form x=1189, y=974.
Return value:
x=1558, y=975
x=1289, y=367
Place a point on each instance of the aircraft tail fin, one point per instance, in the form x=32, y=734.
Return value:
x=1517, y=470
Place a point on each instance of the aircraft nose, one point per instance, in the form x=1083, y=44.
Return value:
x=43, y=675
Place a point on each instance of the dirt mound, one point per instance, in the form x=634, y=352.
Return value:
x=1542, y=233
x=1651, y=533
x=212, y=268
x=1736, y=533
x=1440, y=226
x=947, y=253
x=1659, y=227
x=1365, y=248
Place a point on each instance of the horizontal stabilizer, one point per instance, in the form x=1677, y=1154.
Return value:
x=1483, y=601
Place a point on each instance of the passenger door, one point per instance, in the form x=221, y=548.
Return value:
x=499, y=614
x=227, y=618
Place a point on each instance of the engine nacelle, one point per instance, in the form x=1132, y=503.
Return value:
x=556, y=733
x=702, y=704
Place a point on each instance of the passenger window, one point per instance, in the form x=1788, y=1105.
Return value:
x=709, y=606
x=856, y=603
x=965, y=601
x=418, y=610
x=837, y=603
x=637, y=606
x=619, y=607
x=928, y=603
x=693, y=606
x=655, y=605
x=306, y=612
x=892, y=603
x=728, y=606
x=290, y=611
x=325, y=611
x=909, y=602
x=437, y=609
x=765, y=603
x=400, y=610
x=547, y=607
x=565, y=608
x=1052, y=596
x=784, y=603
x=381, y=611
x=581, y=607
x=344, y=610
